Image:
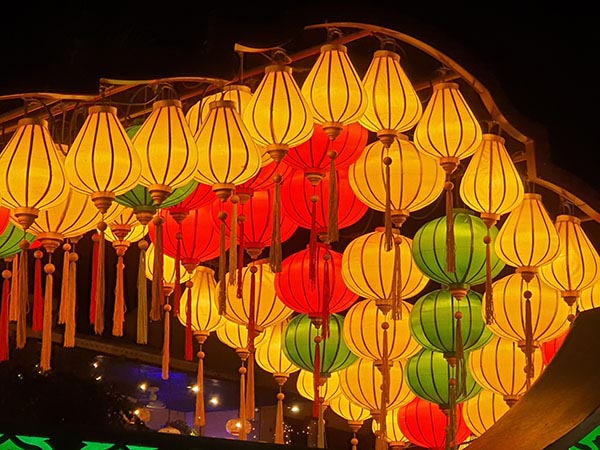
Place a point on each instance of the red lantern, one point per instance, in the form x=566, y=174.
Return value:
x=200, y=196
x=4, y=219
x=425, y=424
x=263, y=180
x=317, y=294
x=549, y=348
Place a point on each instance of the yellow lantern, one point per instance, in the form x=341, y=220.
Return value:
x=167, y=150
x=393, y=104
x=589, y=298
x=278, y=116
x=483, y=411
x=498, y=367
x=227, y=154
x=577, y=266
x=354, y=414
x=169, y=268
x=334, y=90
x=102, y=161
x=393, y=434
x=329, y=387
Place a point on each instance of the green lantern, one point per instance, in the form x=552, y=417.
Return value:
x=10, y=239
x=430, y=251
x=428, y=375
x=432, y=322
x=300, y=346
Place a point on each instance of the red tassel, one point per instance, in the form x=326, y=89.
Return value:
x=4, y=347
x=312, y=242
x=189, y=343
x=177, y=287
x=38, y=296
x=240, y=261
x=95, y=240
x=251, y=309
x=326, y=293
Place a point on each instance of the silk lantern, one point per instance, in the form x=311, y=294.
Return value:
x=589, y=298
x=549, y=348
x=483, y=411
x=354, y=414
x=393, y=434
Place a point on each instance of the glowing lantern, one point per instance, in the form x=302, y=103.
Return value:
x=549, y=348
x=425, y=424
x=577, y=266
x=393, y=434
x=198, y=310
x=10, y=239
x=4, y=218
x=372, y=272
x=334, y=90
x=589, y=298
x=483, y=411
x=102, y=161
x=354, y=414
x=329, y=389
x=167, y=150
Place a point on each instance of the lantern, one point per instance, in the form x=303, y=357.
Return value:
x=334, y=90
x=577, y=266
x=499, y=367
x=589, y=298
x=393, y=104
x=549, y=348
x=483, y=411
x=354, y=414
x=167, y=150
x=393, y=434
x=10, y=239
x=328, y=390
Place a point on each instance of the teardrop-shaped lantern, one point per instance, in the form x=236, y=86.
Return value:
x=270, y=355
x=549, y=348
x=32, y=174
x=393, y=104
x=364, y=332
x=483, y=411
x=334, y=90
x=346, y=409
x=577, y=266
x=167, y=150
x=589, y=298
x=278, y=116
x=328, y=390
x=227, y=153
x=169, y=268
x=102, y=161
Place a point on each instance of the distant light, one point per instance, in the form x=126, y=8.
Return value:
x=214, y=400
x=143, y=386
x=295, y=409
x=195, y=388
x=98, y=378
x=95, y=364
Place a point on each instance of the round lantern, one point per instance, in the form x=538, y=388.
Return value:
x=433, y=322
x=235, y=336
x=328, y=389
x=346, y=409
x=11, y=238
x=549, y=348
x=393, y=103
x=499, y=367
x=589, y=298
x=367, y=336
x=428, y=375
x=430, y=251
x=169, y=270
x=483, y=411
x=201, y=195
x=393, y=434
x=425, y=424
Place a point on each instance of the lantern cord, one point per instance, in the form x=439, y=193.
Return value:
x=385, y=366
x=397, y=280
x=528, y=339
x=333, y=229
x=222, y=294
x=64, y=286
x=38, y=295
x=233, y=241
x=47, y=328
x=489, y=289
x=119, y=307
x=328, y=273
x=451, y=428
x=354, y=441
x=279, y=418
x=388, y=236
x=461, y=370
x=4, y=316
x=316, y=376
x=250, y=387
x=13, y=312
x=158, y=297
x=200, y=417
x=71, y=322
x=251, y=336
x=312, y=241
x=240, y=266
x=275, y=255
x=166, y=350
x=321, y=424
x=23, y=295
x=100, y=281
x=142, y=295
x=189, y=344
x=95, y=245
x=450, y=242
x=242, y=432
x=177, y=287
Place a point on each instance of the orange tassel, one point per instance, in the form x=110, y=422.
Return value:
x=250, y=405
x=450, y=242
x=4, y=313
x=158, y=297
x=240, y=259
x=38, y=296
x=275, y=255
x=15, y=294
x=119, y=307
x=397, y=281
x=95, y=240
x=242, y=433
x=70, y=322
x=166, y=350
x=333, y=229
x=189, y=345
x=24, y=295
x=100, y=282
x=529, y=370
x=142, y=290
x=279, y=418
x=64, y=287
x=312, y=241
x=200, y=417
x=222, y=294
x=489, y=295
x=233, y=241
x=177, y=287
x=47, y=328
x=317, y=377
x=388, y=236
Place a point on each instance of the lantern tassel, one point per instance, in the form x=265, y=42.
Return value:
x=528, y=339
x=158, y=295
x=100, y=282
x=240, y=260
x=242, y=433
x=38, y=295
x=451, y=427
x=15, y=295
x=333, y=229
x=354, y=441
x=279, y=418
x=461, y=370
x=222, y=294
x=397, y=280
x=189, y=345
x=321, y=424
x=317, y=376
x=166, y=350
x=200, y=417
x=489, y=289
x=388, y=236
x=47, y=328
x=275, y=255
x=64, y=285
x=4, y=316
x=142, y=296
x=450, y=242
x=312, y=242
x=95, y=245
x=70, y=319
x=23, y=295
x=250, y=405
x=119, y=308
x=177, y=287
x=328, y=274
x=385, y=384
x=233, y=241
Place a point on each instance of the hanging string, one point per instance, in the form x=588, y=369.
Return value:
x=4, y=315
x=177, y=287
x=158, y=296
x=279, y=418
x=529, y=371
x=71, y=322
x=200, y=417
x=119, y=307
x=240, y=260
x=47, y=327
x=222, y=294
x=354, y=441
x=450, y=241
x=189, y=344
x=242, y=433
x=312, y=241
x=24, y=295
x=250, y=404
x=328, y=273
x=95, y=245
x=142, y=295
x=489, y=294
x=321, y=423
x=461, y=369
x=233, y=240
x=333, y=231
x=316, y=376
x=38, y=295
x=275, y=256
x=451, y=427
x=100, y=281
x=397, y=280
x=389, y=238
x=64, y=285
x=166, y=350
x=15, y=289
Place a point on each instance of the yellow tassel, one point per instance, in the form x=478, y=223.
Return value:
x=279, y=416
x=166, y=350
x=119, y=308
x=200, y=417
x=70, y=319
x=242, y=434
x=222, y=294
x=397, y=280
x=489, y=288
x=64, y=287
x=233, y=254
x=47, y=322
x=158, y=297
x=142, y=291
x=250, y=404
x=450, y=242
x=24, y=295
x=528, y=339
x=15, y=295
x=275, y=255
x=321, y=425
x=100, y=282
x=333, y=228
x=452, y=416
x=389, y=238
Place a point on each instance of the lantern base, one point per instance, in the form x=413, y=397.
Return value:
x=159, y=192
x=103, y=200
x=223, y=190
x=449, y=163
x=387, y=137
x=332, y=129
x=144, y=214
x=121, y=230
x=277, y=151
x=50, y=241
x=25, y=215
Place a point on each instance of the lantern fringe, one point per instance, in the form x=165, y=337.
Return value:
x=489, y=288
x=47, y=328
x=397, y=281
x=461, y=369
x=189, y=344
x=38, y=294
x=321, y=424
x=158, y=295
x=166, y=350
x=15, y=289
x=312, y=241
x=70, y=322
x=64, y=285
x=119, y=307
x=177, y=287
x=275, y=255
x=240, y=259
x=23, y=295
x=142, y=296
x=450, y=241
x=328, y=273
x=250, y=404
x=95, y=245
x=279, y=418
x=388, y=236
x=333, y=228
x=233, y=241
x=451, y=428
x=385, y=384
x=222, y=294
x=100, y=281
x=4, y=316
x=528, y=340
x=200, y=417
x=316, y=376
x=242, y=371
